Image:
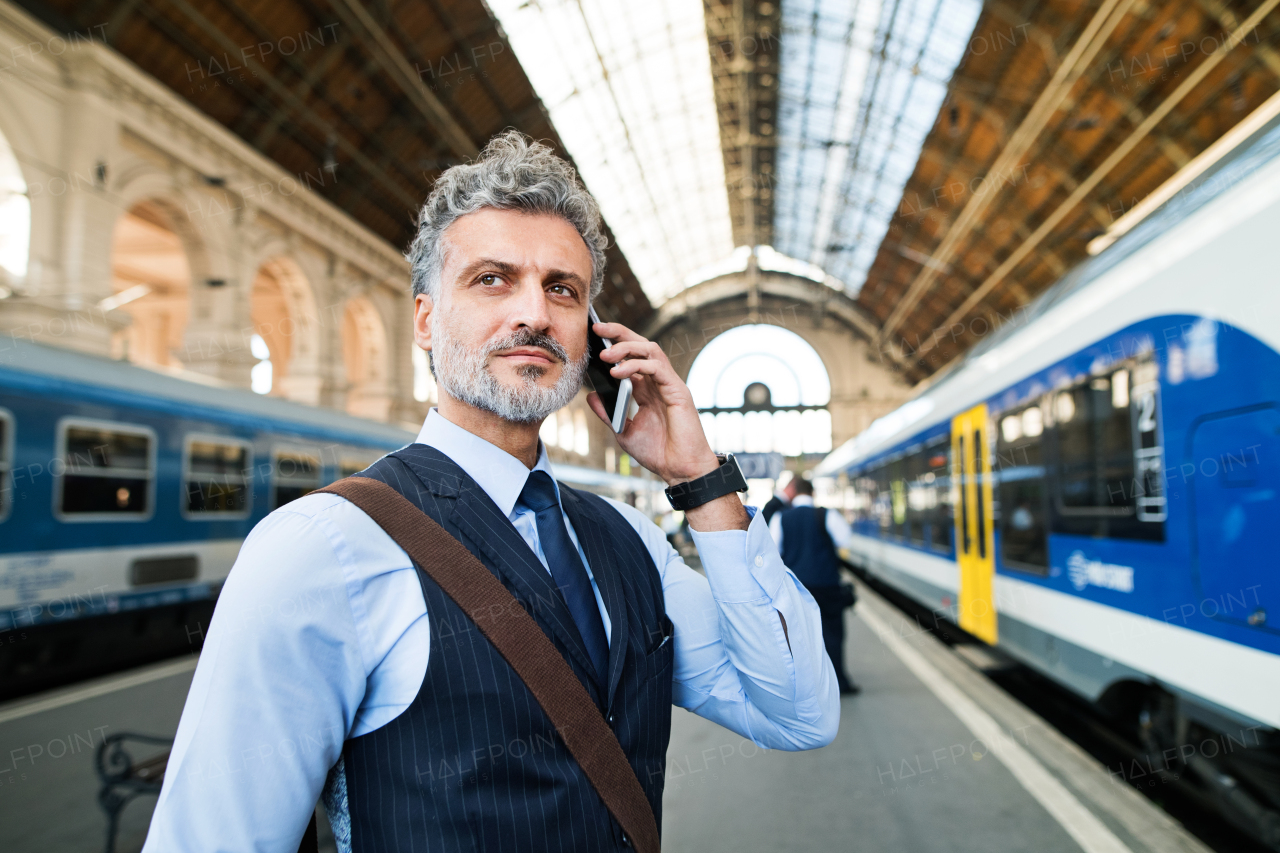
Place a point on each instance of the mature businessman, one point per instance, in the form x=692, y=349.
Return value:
x=336, y=668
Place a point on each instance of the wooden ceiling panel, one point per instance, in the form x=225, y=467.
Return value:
x=1152, y=51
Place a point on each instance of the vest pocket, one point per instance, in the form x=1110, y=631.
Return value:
x=659, y=635
x=660, y=655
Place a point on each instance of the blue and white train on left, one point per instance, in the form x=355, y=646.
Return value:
x=124, y=497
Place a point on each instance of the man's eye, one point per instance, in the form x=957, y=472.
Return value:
x=490, y=279
x=561, y=289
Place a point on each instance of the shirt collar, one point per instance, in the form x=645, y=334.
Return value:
x=802, y=500
x=498, y=473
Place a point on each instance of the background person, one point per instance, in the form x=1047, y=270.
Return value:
x=809, y=538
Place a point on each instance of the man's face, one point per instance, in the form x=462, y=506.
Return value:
x=509, y=334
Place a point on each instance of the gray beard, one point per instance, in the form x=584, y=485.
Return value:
x=465, y=375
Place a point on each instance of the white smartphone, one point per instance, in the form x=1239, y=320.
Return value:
x=615, y=394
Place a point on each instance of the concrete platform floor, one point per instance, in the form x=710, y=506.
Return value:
x=931, y=757
x=904, y=774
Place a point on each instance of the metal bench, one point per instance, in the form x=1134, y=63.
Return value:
x=123, y=778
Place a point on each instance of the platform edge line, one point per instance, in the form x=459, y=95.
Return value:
x=1084, y=827
x=37, y=706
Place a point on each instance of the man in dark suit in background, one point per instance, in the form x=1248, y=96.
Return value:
x=808, y=538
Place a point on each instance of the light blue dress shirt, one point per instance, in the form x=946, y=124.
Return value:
x=321, y=634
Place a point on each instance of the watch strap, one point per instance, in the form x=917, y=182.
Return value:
x=716, y=484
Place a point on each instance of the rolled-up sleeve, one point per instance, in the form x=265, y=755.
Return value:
x=735, y=663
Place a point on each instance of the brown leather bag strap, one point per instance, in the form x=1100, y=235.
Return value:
x=522, y=643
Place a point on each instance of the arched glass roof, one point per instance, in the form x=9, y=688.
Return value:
x=630, y=90
x=850, y=140
x=628, y=87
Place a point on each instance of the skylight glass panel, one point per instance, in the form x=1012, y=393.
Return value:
x=861, y=86
x=629, y=90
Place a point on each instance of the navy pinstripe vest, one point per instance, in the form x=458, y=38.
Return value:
x=473, y=764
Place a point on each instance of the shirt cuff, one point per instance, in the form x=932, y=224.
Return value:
x=741, y=565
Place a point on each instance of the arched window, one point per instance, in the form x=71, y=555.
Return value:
x=762, y=389
x=283, y=312
x=365, y=354
x=151, y=282
x=15, y=217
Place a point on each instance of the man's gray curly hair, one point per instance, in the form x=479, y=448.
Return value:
x=512, y=173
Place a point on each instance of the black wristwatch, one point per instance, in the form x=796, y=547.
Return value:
x=720, y=482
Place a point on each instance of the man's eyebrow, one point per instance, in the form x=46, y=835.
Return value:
x=568, y=277
x=504, y=267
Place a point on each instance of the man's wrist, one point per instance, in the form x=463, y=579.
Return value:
x=723, y=513
x=701, y=468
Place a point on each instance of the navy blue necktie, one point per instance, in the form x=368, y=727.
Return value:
x=539, y=495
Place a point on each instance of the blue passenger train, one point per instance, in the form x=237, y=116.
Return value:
x=124, y=497
x=1095, y=488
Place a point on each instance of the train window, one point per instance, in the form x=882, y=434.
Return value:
x=864, y=489
x=108, y=470
x=1020, y=492
x=1096, y=451
x=898, y=495
x=884, y=500
x=216, y=476
x=6, y=463
x=920, y=497
x=296, y=473
x=938, y=476
x=1109, y=457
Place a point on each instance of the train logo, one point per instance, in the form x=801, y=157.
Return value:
x=1085, y=572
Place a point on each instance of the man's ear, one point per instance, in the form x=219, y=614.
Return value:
x=422, y=308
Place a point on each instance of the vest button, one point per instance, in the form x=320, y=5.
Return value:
x=611, y=719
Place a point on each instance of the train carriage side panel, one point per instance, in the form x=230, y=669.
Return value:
x=180, y=513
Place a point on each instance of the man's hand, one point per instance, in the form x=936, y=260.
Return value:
x=666, y=435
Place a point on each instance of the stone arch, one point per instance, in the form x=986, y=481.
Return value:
x=863, y=386
x=205, y=237
x=151, y=282
x=367, y=359
x=283, y=311
x=216, y=307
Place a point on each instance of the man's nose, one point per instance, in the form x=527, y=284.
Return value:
x=530, y=307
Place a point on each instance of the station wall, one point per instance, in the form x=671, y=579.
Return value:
x=159, y=236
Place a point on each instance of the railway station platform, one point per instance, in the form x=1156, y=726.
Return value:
x=932, y=756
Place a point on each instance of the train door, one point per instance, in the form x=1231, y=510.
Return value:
x=975, y=552
x=1235, y=481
